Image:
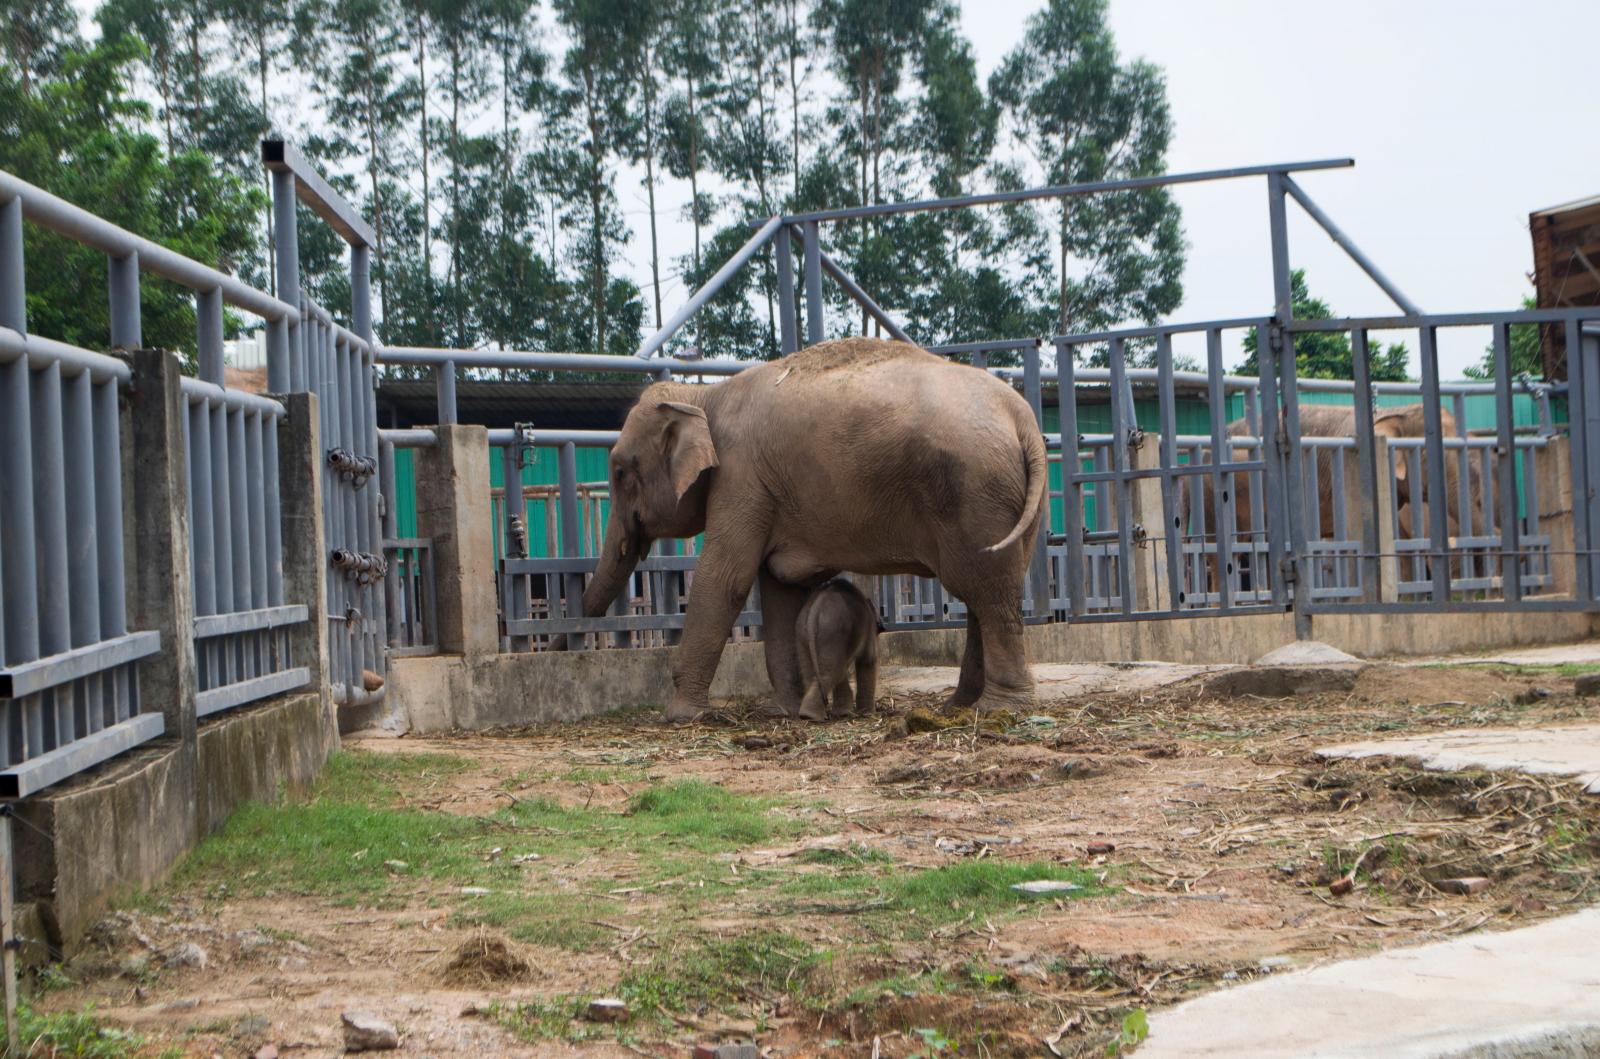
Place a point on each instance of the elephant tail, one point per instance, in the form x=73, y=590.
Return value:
x=1037, y=468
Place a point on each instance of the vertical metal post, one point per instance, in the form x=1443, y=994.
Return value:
x=1287, y=421
x=274, y=511
x=19, y=605
x=1038, y=566
x=1506, y=439
x=1173, y=532
x=444, y=380
x=787, y=324
x=1121, y=434
x=391, y=525
x=1438, y=495
x=285, y=355
x=814, y=318
x=122, y=282
x=567, y=476
x=109, y=531
x=1583, y=416
x=1222, y=484
x=208, y=321
x=361, y=290
x=515, y=514
x=1276, y=443
x=50, y=504
x=1071, y=497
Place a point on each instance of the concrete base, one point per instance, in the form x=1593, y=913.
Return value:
x=441, y=692
x=1521, y=993
x=122, y=827
x=1567, y=751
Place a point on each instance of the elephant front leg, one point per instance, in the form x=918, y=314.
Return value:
x=780, y=611
x=722, y=581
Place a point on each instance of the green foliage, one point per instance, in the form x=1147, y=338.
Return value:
x=77, y=136
x=73, y=1035
x=702, y=973
x=1071, y=101
x=1326, y=354
x=1527, y=354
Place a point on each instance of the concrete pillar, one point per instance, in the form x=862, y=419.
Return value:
x=305, y=551
x=1150, y=587
x=1553, y=468
x=453, y=508
x=161, y=596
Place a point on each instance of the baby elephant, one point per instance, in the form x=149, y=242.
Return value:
x=837, y=626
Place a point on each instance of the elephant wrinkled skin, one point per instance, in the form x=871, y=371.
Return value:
x=857, y=454
x=837, y=631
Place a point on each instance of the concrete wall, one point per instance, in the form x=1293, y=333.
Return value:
x=445, y=692
x=123, y=827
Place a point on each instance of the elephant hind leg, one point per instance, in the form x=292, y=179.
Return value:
x=969, y=688
x=1007, y=681
x=825, y=686
x=843, y=700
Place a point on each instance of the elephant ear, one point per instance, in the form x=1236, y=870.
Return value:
x=690, y=451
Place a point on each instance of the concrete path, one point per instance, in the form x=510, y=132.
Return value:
x=1566, y=751
x=1586, y=653
x=1522, y=993
x=1054, y=681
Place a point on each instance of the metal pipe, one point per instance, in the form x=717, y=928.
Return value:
x=1348, y=245
x=208, y=324
x=1438, y=497
x=34, y=351
x=587, y=362
x=19, y=629
x=122, y=283
x=1071, y=496
x=1510, y=543
x=196, y=391
x=50, y=505
x=273, y=518
x=1172, y=530
x=58, y=215
x=244, y=536
x=813, y=270
x=711, y=287
x=82, y=545
x=788, y=326
x=1061, y=191
x=444, y=380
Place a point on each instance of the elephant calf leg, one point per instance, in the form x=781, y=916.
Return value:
x=866, y=684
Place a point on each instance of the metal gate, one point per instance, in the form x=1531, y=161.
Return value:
x=334, y=362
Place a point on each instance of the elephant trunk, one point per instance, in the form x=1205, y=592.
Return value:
x=619, y=555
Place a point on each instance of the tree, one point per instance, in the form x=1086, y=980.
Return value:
x=1083, y=115
x=75, y=133
x=595, y=106
x=1527, y=354
x=688, y=56
x=1326, y=354
x=36, y=35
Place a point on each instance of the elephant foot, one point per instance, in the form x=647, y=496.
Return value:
x=681, y=711
x=959, y=700
x=995, y=700
x=813, y=708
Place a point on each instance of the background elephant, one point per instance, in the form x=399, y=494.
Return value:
x=1339, y=421
x=858, y=454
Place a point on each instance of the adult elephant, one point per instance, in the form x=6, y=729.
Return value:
x=858, y=454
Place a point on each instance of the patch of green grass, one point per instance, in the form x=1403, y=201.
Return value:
x=545, y=1018
x=75, y=1034
x=1562, y=669
x=559, y=920
x=853, y=855
x=708, y=972
x=980, y=887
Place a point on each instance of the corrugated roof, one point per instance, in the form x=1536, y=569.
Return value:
x=1566, y=268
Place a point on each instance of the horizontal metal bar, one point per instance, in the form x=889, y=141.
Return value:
x=249, y=620
x=1102, y=376
x=610, y=623
x=230, y=695
x=408, y=542
x=25, y=678
x=416, y=650
x=553, y=438
x=73, y=360
x=347, y=695
x=59, y=215
x=37, y=773
x=315, y=192
x=1197, y=470
x=1410, y=323
x=1162, y=615
x=999, y=345
x=513, y=360
x=586, y=564
x=317, y=312
x=1157, y=330
x=195, y=391
x=414, y=438
x=1061, y=191
x=709, y=289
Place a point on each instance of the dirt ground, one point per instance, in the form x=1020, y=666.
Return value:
x=854, y=896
